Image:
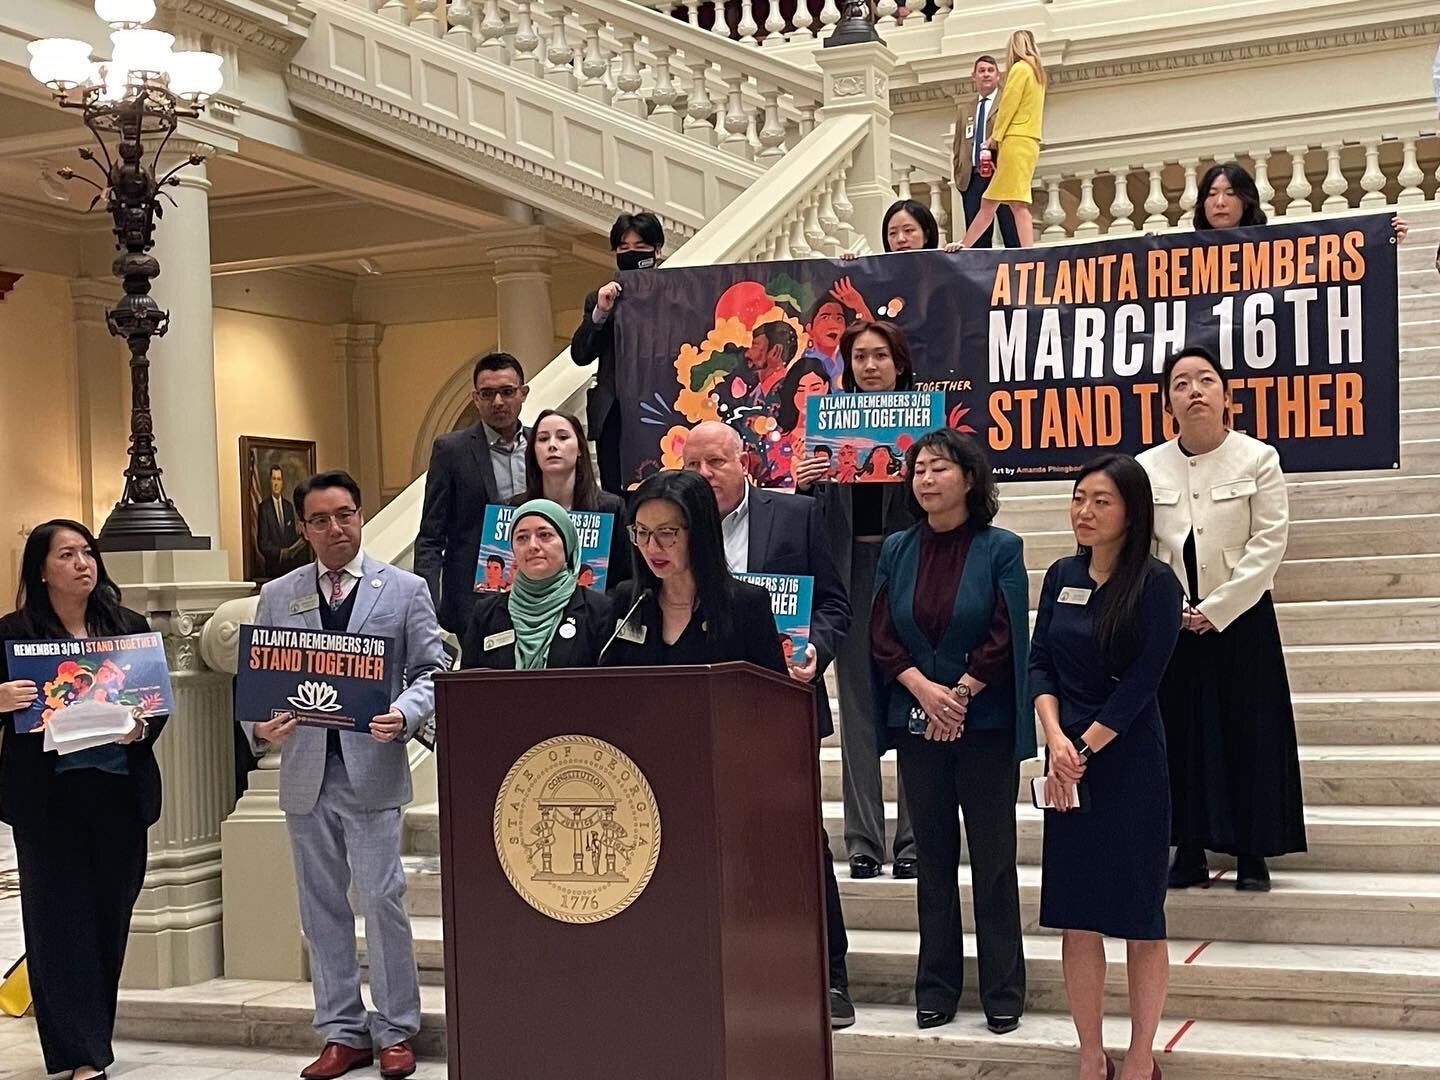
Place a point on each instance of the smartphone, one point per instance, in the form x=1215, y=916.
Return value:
x=1079, y=794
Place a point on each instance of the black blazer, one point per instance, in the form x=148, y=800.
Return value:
x=589, y=344
x=752, y=635
x=588, y=611
x=787, y=536
x=837, y=512
x=27, y=770
x=458, y=486
x=620, y=566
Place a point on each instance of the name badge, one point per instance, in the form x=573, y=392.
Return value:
x=567, y=629
x=970, y=130
x=1071, y=595
x=494, y=641
x=633, y=634
x=304, y=604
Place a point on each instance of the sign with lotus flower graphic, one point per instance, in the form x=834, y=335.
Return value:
x=127, y=670
x=327, y=679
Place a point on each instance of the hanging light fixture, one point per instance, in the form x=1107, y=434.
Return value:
x=138, y=97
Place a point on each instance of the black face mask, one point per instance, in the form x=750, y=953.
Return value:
x=634, y=260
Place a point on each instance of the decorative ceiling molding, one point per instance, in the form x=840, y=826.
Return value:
x=587, y=199
x=948, y=90
x=273, y=27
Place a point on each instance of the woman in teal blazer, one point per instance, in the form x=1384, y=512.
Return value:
x=950, y=639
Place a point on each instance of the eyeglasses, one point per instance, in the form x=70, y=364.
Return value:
x=504, y=393
x=666, y=537
x=343, y=518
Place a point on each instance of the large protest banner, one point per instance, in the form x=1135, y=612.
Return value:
x=1048, y=355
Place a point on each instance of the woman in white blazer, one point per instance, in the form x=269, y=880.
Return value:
x=1221, y=522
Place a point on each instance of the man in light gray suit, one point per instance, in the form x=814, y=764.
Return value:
x=342, y=791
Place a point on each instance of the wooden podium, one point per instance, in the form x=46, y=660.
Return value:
x=717, y=969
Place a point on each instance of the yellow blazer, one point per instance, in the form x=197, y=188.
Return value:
x=1022, y=105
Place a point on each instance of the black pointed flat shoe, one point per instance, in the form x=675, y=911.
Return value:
x=1189, y=867
x=1251, y=874
x=931, y=1018
x=1002, y=1025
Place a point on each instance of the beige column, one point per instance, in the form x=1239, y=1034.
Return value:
x=857, y=82
x=176, y=933
x=358, y=374
x=182, y=370
x=525, y=317
x=102, y=398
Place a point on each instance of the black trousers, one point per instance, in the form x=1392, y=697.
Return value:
x=976, y=775
x=80, y=875
x=971, y=197
x=607, y=451
x=837, y=943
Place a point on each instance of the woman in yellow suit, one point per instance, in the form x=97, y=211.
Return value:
x=1014, y=140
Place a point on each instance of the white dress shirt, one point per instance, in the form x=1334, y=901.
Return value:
x=508, y=461
x=354, y=570
x=988, y=102
x=736, y=530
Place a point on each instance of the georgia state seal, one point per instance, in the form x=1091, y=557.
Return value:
x=577, y=830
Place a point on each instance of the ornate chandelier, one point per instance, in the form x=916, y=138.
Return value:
x=138, y=96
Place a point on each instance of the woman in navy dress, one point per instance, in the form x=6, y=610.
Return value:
x=1107, y=624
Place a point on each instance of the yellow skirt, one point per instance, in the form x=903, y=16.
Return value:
x=1014, y=170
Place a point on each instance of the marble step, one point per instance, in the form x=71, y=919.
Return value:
x=885, y=1045
x=1320, y=907
x=1352, y=839
x=882, y=1045
x=1321, y=538
x=1368, y=496
x=1421, y=424
x=1392, y=776
x=1353, y=668
x=1212, y=980
x=1419, y=392
x=1281, y=983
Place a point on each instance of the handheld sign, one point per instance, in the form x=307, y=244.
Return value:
x=866, y=435
x=791, y=597
x=128, y=670
x=496, y=567
x=327, y=679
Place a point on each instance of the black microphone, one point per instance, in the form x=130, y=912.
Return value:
x=644, y=595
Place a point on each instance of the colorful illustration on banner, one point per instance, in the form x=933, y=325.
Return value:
x=127, y=670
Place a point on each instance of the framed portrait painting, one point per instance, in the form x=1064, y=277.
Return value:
x=269, y=471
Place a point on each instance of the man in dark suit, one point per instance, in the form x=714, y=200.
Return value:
x=282, y=548
x=770, y=532
x=972, y=128
x=637, y=241
x=470, y=469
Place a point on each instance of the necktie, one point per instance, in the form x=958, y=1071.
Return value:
x=337, y=579
x=979, y=132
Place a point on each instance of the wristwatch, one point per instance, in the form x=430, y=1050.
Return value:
x=1083, y=748
x=962, y=690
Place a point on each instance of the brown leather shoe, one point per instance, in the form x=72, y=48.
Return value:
x=397, y=1061
x=337, y=1059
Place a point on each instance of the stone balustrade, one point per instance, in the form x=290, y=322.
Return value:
x=770, y=23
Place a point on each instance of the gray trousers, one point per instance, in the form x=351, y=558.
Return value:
x=859, y=755
x=337, y=841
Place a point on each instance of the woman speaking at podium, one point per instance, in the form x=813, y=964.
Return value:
x=547, y=619
x=684, y=606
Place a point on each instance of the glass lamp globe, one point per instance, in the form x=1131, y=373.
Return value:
x=60, y=63
x=141, y=53
x=195, y=76
x=121, y=14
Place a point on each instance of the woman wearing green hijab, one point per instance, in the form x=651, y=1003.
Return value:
x=547, y=619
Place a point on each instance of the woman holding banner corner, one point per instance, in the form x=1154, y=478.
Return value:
x=857, y=519
x=950, y=636
x=1221, y=523
x=558, y=468
x=1227, y=198
x=546, y=619
x=80, y=821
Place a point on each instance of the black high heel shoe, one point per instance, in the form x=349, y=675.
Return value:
x=931, y=1018
x=1109, y=1067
